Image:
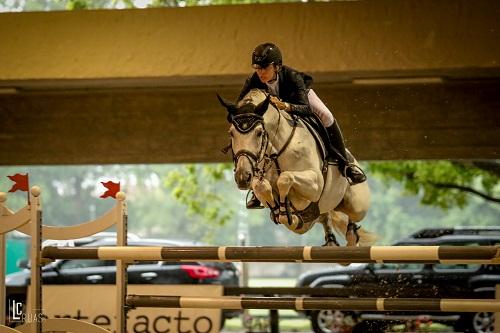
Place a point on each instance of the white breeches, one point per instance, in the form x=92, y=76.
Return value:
x=320, y=109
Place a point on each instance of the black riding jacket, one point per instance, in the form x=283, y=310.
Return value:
x=293, y=88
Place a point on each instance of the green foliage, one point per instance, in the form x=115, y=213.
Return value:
x=391, y=215
x=196, y=187
x=70, y=196
x=94, y=4
x=47, y=5
x=445, y=184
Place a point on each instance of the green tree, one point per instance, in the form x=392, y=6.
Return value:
x=392, y=215
x=48, y=5
x=445, y=184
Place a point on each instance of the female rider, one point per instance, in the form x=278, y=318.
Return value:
x=290, y=91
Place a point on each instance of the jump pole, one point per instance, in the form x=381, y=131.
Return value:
x=369, y=254
x=317, y=303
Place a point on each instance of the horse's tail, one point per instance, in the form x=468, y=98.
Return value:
x=366, y=238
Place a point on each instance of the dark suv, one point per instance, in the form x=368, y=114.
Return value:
x=411, y=280
x=144, y=272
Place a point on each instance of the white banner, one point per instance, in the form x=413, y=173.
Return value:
x=96, y=304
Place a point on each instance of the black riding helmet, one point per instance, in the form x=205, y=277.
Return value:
x=265, y=54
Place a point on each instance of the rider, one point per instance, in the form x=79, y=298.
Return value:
x=290, y=91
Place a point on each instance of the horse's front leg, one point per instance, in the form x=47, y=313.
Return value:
x=306, y=186
x=263, y=191
x=303, y=187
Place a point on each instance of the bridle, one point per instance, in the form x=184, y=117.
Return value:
x=245, y=123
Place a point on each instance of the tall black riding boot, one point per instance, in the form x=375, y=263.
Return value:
x=352, y=172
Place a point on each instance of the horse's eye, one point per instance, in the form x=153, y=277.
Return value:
x=259, y=133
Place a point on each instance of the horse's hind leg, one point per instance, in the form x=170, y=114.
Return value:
x=352, y=235
x=326, y=222
x=355, y=205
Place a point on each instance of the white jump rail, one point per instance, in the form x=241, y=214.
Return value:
x=367, y=254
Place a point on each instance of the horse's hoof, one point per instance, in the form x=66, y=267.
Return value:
x=331, y=240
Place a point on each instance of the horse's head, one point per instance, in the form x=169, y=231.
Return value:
x=248, y=135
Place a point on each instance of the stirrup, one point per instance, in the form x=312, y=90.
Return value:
x=356, y=174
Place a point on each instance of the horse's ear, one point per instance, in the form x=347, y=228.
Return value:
x=262, y=107
x=230, y=107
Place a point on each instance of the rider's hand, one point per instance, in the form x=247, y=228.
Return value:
x=279, y=104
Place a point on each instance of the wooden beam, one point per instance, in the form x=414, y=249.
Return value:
x=172, y=45
x=173, y=125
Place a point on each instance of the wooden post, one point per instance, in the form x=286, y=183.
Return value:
x=497, y=314
x=121, y=265
x=3, y=198
x=2, y=280
x=274, y=321
x=35, y=296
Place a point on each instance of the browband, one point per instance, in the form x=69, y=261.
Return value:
x=244, y=123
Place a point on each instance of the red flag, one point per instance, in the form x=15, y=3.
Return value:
x=21, y=183
x=111, y=189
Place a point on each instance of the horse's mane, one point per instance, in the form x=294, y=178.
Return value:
x=253, y=98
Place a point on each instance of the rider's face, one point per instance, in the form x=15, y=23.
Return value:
x=265, y=74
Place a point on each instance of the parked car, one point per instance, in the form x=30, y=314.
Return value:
x=411, y=280
x=144, y=272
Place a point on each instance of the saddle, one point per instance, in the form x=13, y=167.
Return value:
x=320, y=134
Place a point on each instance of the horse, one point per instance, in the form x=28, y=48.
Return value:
x=276, y=155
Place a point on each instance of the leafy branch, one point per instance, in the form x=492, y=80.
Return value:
x=442, y=183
